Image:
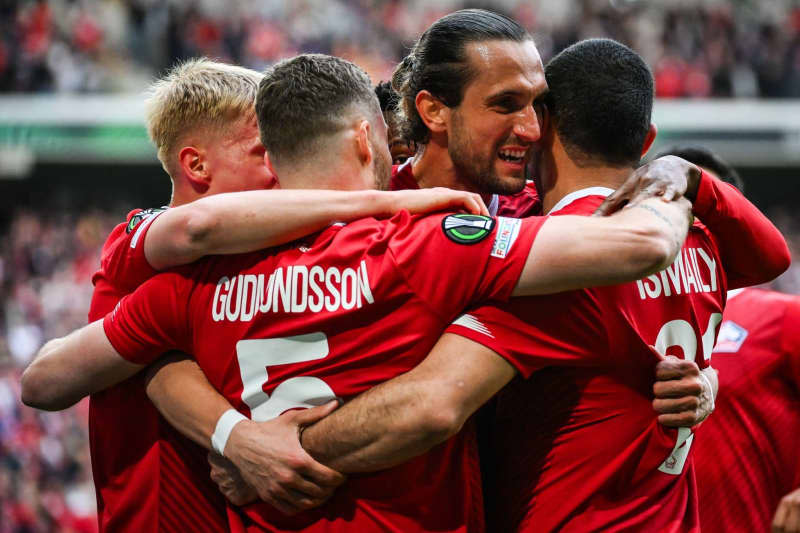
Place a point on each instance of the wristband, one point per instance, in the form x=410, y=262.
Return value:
x=710, y=389
x=225, y=424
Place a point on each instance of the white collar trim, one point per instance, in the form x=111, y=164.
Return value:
x=577, y=195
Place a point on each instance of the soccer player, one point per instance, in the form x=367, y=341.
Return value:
x=748, y=469
x=578, y=445
x=356, y=304
x=400, y=149
x=201, y=117
x=470, y=94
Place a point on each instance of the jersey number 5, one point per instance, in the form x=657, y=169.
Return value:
x=256, y=355
x=681, y=333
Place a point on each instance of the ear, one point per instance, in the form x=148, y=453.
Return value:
x=272, y=174
x=363, y=146
x=651, y=136
x=432, y=111
x=194, y=164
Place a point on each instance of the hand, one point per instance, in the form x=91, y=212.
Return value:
x=683, y=398
x=787, y=517
x=437, y=199
x=668, y=177
x=230, y=481
x=270, y=459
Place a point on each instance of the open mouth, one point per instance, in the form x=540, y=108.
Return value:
x=512, y=156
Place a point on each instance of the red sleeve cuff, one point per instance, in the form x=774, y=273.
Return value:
x=125, y=348
x=706, y=200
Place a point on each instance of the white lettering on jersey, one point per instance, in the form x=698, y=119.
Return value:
x=684, y=276
x=293, y=289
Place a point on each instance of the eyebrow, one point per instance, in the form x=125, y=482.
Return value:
x=509, y=93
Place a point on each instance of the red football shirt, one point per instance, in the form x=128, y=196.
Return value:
x=525, y=203
x=578, y=447
x=147, y=476
x=331, y=316
x=747, y=452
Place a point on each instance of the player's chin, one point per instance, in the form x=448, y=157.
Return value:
x=510, y=182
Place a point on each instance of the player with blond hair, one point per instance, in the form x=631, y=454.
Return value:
x=201, y=118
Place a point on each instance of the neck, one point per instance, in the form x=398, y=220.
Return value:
x=432, y=167
x=564, y=177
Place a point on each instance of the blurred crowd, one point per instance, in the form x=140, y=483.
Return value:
x=696, y=48
x=46, y=263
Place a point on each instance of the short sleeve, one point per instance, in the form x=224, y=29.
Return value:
x=532, y=332
x=151, y=320
x=453, y=261
x=123, y=262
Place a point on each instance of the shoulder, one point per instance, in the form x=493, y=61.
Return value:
x=403, y=177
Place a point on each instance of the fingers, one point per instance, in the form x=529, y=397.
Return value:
x=679, y=388
x=613, y=203
x=676, y=405
x=787, y=516
x=674, y=368
x=686, y=419
x=306, y=417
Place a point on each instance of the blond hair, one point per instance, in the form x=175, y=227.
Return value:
x=198, y=93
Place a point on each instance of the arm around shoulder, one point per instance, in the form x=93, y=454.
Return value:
x=575, y=252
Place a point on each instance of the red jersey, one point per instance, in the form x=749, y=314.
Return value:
x=330, y=316
x=747, y=451
x=525, y=203
x=578, y=445
x=147, y=476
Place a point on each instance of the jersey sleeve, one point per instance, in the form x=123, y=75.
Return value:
x=453, y=261
x=151, y=320
x=752, y=249
x=790, y=342
x=531, y=333
x=123, y=262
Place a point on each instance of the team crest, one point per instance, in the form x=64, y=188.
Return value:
x=467, y=229
x=730, y=339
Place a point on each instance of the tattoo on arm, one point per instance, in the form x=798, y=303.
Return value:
x=656, y=212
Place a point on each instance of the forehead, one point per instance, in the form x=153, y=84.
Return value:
x=503, y=65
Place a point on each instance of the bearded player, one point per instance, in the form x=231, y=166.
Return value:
x=323, y=318
x=201, y=118
x=579, y=445
x=748, y=471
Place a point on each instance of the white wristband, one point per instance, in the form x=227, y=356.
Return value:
x=710, y=389
x=225, y=424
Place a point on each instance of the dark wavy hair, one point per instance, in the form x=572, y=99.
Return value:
x=438, y=64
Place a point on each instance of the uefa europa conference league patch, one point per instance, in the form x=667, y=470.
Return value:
x=467, y=229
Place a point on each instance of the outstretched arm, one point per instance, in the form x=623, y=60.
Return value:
x=69, y=368
x=411, y=413
x=241, y=222
x=575, y=252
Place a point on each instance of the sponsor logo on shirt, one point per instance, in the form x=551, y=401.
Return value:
x=467, y=229
x=693, y=271
x=507, y=232
x=731, y=337
x=293, y=289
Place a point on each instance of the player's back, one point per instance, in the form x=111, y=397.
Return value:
x=746, y=453
x=578, y=446
x=331, y=317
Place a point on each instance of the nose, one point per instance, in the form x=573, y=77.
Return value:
x=527, y=126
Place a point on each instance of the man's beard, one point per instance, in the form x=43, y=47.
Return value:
x=383, y=171
x=477, y=170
